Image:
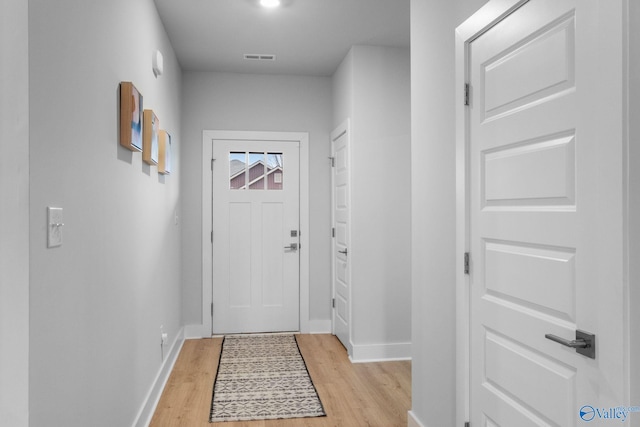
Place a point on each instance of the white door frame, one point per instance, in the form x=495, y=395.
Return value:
x=484, y=19
x=207, y=209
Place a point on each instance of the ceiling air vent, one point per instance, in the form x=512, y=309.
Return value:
x=259, y=57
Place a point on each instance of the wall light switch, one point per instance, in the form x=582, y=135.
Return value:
x=54, y=227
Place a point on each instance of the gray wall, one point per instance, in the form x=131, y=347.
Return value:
x=14, y=214
x=433, y=198
x=97, y=302
x=372, y=88
x=221, y=101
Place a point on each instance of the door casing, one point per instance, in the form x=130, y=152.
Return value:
x=208, y=136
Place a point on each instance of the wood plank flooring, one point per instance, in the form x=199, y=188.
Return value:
x=353, y=395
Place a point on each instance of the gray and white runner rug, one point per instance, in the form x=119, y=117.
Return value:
x=263, y=377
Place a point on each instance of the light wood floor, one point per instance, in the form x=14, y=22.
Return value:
x=353, y=395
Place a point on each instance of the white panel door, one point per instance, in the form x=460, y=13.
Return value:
x=255, y=236
x=540, y=262
x=340, y=250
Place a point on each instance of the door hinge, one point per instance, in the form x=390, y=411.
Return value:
x=211, y=309
x=466, y=263
x=467, y=93
x=467, y=424
x=333, y=161
x=212, y=237
x=333, y=303
x=212, y=160
x=333, y=232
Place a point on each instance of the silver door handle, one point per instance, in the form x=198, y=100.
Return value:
x=567, y=343
x=585, y=343
x=343, y=252
x=292, y=247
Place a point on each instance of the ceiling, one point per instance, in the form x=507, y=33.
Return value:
x=308, y=37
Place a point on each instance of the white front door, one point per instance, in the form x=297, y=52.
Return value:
x=544, y=195
x=255, y=236
x=340, y=250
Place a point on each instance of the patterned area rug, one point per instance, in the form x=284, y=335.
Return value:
x=263, y=377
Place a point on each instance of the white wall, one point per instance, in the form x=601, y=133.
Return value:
x=97, y=302
x=372, y=88
x=433, y=198
x=14, y=214
x=223, y=101
x=634, y=204
x=342, y=87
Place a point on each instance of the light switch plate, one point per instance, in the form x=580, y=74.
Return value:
x=54, y=227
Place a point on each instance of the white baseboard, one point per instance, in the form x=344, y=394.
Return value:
x=320, y=326
x=412, y=421
x=195, y=332
x=380, y=352
x=153, y=396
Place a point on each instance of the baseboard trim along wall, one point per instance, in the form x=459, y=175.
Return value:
x=153, y=396
x=195, y=332
x=380, y=352
x=319, y=326
x=412, y=421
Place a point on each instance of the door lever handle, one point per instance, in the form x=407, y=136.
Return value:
x=292, y=247
x=585, y=343
x=567, y=343
x=343, y=252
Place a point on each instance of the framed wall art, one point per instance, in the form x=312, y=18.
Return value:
x=131, y=117
x=164, y=153
x=150, y=132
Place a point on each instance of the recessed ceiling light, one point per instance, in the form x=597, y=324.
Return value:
x=270, y=3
